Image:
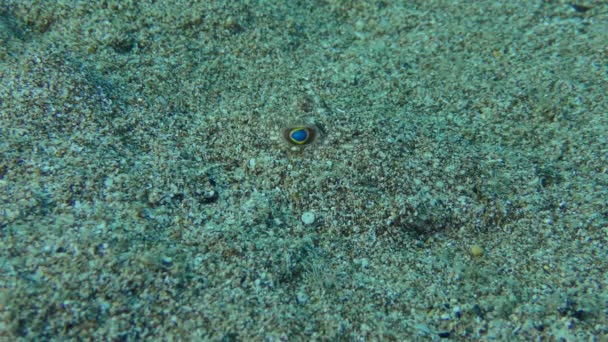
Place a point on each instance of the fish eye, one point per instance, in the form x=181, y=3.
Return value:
x=301, y=133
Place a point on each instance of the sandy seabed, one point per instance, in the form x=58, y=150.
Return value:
x=456, y=186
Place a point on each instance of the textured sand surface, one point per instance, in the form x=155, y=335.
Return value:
x=458, y=186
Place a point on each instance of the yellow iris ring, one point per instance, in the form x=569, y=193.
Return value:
x=299, y=142
x=301, y=134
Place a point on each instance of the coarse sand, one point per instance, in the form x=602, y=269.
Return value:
x=457, y=186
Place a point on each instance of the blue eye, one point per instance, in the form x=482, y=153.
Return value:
x=302, y=133
x=299, y=135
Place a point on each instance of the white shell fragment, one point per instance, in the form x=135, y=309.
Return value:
x=308, y=218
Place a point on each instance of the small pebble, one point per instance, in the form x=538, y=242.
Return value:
x=308, y=218
x=444, y=334
x=476, y=251
x=167, y=261
x=302, y=297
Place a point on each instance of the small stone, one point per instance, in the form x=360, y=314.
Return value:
x=302, y=297
x=166, y=261
x=444, y=334
x=476, y=251
x=308, y=218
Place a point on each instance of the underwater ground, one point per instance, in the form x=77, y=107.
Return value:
x=455, y=184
